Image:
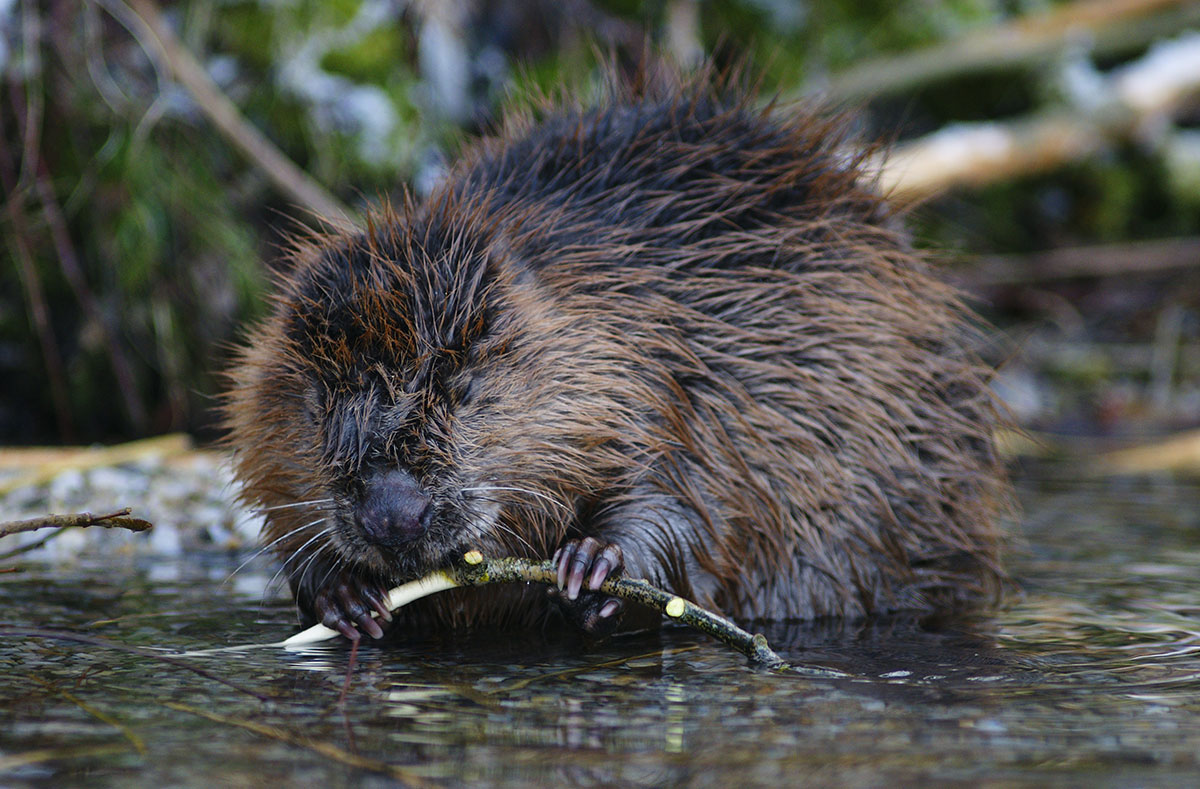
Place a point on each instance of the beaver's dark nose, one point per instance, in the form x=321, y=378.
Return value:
x=393, y=509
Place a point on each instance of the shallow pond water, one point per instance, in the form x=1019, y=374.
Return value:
x=1091, y=674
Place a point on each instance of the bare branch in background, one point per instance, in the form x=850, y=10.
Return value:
x=1131, y=99
x=1103, y=260
x=1107, y=25
x=35, y=299
x=263, y=153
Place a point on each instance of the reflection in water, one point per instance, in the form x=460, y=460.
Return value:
x=1092, y=670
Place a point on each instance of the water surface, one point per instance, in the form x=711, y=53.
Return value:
x=1090, y=675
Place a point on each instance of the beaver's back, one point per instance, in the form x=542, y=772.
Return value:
x=675, y=165
x=823, y=426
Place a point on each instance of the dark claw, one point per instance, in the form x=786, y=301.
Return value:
x=602, y=568
x=579, y=558
x=334, y=621
x=579, y=563
x=593, y=562
x=562, y=558
x=345, y=602
x=369, y=626
x=351, y=598
x=375, y=599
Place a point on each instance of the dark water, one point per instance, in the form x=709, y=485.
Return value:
x=1090, y=677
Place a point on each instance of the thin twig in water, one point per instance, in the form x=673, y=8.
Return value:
x=350, y=664
x=31, y=547
x=43, y=755
x=100, y=715
x=323, y=748
x=64, y=635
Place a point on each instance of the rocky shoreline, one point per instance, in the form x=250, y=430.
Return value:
x=188, y=494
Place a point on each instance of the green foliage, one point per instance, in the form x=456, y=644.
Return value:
x=174, y=229
x=793, y=41
x=1106, y=199
x=247, y=29
x=371, y=59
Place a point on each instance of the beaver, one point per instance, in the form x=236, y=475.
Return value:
x=670, y=333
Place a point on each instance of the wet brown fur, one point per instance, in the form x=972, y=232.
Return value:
x=674, y=321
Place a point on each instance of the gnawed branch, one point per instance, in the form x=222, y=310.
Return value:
x=476, y=570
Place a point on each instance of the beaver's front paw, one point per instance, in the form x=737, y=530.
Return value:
x=344, y=603
x=584, y=565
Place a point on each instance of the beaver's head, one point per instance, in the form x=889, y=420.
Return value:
x=414, y=395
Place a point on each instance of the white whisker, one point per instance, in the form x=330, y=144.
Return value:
x=318, y=535
x=276, y=507
x=278, y=539
x=526, y=491
x=514, y=533
x=299, y=571
x=337, y=565
x=304, y=566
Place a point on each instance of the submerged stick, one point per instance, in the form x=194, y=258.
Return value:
x=325, y=749
x=476, y=570
x=95, y=641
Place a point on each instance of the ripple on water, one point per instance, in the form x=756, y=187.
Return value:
x=1092, y=673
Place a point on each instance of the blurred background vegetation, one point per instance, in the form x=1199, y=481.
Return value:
x=142, y=216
